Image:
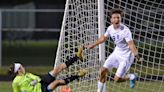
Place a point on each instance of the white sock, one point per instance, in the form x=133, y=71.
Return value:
x=101, y=87
x=104, y=88
x=131, y=76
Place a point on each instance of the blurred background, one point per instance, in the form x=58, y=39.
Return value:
x=29, y=33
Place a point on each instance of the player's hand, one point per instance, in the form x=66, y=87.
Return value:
x=138, y=59
x=90, y=46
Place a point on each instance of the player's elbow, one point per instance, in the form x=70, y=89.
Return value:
x=131, y=44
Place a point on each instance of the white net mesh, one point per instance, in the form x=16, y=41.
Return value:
x=80, y=26
x=145, y=18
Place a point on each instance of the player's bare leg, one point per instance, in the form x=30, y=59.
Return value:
x=102, y=80
x=58, y=69
x=118, y=79
x=131, y=77
x=65, y=81
x=61, y=67
x=103, y=74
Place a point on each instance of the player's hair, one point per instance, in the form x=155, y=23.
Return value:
x=11, y=70
x=116, y=10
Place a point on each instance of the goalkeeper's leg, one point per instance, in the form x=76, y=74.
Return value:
x=61, y=67
x=65, y=81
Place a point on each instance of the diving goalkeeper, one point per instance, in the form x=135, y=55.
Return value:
x=28, y=82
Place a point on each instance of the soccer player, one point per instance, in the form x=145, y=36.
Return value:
x=124, y=52
x=28, y=82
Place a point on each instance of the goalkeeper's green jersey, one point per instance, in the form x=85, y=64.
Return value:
x=22, y=83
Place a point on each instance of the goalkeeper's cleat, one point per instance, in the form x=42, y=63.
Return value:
x=133, y=82
x=82, y=73
x=79, y=53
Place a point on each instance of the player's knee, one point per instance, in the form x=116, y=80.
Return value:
x=49, y=88
x=117, y=79
x=59, y=68
x=60, y=82
x=63, y=66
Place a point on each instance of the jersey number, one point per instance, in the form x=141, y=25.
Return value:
x=115, y=37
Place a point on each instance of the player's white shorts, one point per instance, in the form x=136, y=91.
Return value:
x=122, y=60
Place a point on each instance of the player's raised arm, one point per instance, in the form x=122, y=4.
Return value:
x=98, y=41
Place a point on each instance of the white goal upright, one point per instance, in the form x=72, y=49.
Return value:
x=85, y=20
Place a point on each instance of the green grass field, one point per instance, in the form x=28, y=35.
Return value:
x=140, y=87
x=112, y=87
x=5, y=86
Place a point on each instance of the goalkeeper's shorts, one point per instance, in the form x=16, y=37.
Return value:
x=45, y=81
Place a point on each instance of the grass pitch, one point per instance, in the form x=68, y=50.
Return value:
x=112, y=87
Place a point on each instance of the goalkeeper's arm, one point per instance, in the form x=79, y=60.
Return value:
x=134, y=50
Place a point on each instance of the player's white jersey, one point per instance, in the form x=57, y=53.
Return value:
x=122, y=57
x=120, y=36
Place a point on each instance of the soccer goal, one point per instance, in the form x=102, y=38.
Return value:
x=85, y=20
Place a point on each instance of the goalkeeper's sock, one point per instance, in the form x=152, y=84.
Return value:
x=70, y=79
x=71, y=61
x=101, y=87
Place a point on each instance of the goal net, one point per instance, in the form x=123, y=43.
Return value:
x=85, y=20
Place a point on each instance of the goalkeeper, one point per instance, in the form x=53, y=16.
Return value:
x=28, y=82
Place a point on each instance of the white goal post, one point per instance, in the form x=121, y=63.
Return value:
x=85, y=20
